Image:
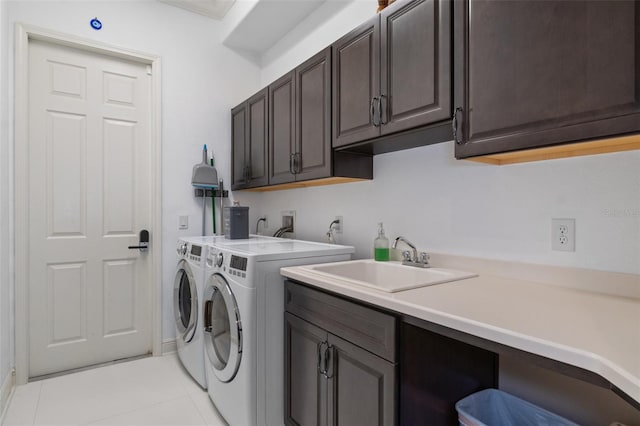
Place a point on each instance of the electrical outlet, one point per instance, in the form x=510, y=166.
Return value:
x=289, y=220
x=337, y=228
x=563, y=234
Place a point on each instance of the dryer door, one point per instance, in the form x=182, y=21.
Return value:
x=222, y=328
x=185, y=302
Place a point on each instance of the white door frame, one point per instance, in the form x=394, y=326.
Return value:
x=24, y=33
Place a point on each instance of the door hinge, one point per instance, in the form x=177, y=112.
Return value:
x=149, y=70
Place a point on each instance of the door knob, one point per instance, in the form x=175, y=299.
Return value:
x=143, y=244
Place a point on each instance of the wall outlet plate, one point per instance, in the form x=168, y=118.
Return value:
x=563, y=234
x=289, y=219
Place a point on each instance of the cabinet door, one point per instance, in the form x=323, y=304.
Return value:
x=282, y=129
x=313, y=117
x=415, y=61
x=305, y=387
x=238, y=130
x=256, y=138
x=362, y=387
x=540, y=73
x=356, y=81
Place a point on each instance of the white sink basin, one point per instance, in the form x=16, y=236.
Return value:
x=388, y=276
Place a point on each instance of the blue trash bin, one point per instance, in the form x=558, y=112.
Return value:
x=492, y=407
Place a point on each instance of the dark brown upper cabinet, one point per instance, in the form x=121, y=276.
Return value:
x=238, y=146
x=249, y=123
x=393, y=73
x=282, y=129
x=300, y=130
x=313, y=117
x=300, y=122
x=415, y=71
x=532, y=74
x=356, y=84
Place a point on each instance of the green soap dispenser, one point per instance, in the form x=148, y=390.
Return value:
x=381, y=245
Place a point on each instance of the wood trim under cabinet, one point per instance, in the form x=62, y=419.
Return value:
x=305, y=184
x=602, y=146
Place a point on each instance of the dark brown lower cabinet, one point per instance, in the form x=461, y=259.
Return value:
x=306, y=388
x=361, y=386
x=330, y=381
x=350, y=364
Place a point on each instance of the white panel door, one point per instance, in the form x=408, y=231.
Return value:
x=89, y=197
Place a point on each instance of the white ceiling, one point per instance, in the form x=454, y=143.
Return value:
x=253, y=26
x=267, y=22
x=215, y=9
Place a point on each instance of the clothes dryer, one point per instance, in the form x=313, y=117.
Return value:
x=243, y=324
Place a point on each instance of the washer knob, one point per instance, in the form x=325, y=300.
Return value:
x=182, y=250
x=219, y=259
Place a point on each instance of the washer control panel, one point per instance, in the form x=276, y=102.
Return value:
x=195, y=253
x=238, y=262
x=231, y=264
x=238, y=266
x=191, y=252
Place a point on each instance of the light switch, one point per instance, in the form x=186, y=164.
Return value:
x=183, y=222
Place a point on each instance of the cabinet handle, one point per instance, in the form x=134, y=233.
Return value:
x=320, y=353
x=372, y=111
x=298, y=162
x=291, y=169
x=327, y=356
x=380, y=122
x=454, y=125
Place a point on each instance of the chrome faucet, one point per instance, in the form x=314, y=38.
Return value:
x=330, y=237
x=412, y=258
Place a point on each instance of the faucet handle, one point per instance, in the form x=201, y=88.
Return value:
x=424, y=257
x=406, y=256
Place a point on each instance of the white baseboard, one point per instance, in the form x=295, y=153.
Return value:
x=8, y=384
x=169, y=346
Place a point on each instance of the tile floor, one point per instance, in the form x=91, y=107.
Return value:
x=148, y=391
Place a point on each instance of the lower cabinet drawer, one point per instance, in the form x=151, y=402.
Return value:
x=368, y=328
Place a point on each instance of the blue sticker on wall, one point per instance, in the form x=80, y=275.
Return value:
x=96, y=24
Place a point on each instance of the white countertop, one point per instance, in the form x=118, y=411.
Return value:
x=595, y=331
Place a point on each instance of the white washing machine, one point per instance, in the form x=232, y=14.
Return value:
x=188, y=289
x=244, y=323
